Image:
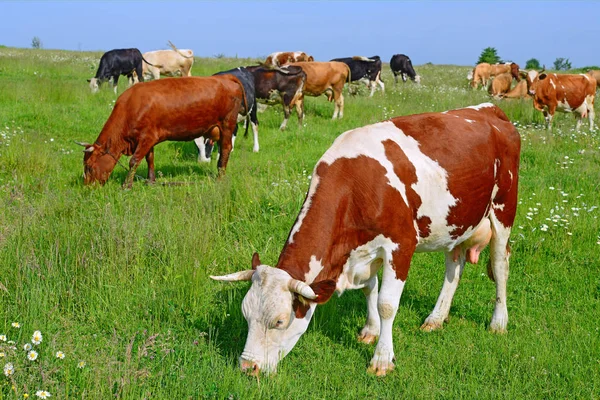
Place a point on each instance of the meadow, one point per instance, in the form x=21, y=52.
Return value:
x=118, y=280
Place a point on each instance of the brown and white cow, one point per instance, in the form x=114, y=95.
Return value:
x=167, y=109
x=175, y=62
x=323, y=78
x=484, y=71
x=567, y=93
x=282, y=58
x=378, y=195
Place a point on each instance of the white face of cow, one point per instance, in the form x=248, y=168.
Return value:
x=94, y=85
x=273, y=328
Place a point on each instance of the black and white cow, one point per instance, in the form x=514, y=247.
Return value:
x=401, y=65
x=118, y=62
x=364, y=69
x=205, y=145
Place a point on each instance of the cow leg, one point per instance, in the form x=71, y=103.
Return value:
x=225, y=146
x=380, y=82
x=142, y=149
x=255, y=148
x=370, y=332
x=579, y=119
x=499, y=255
x=201, y=144
x=286, y=116
x=300, y=110
x=454, y=270
x=548, y=117
x=373, y=87
x=338, y=111
x=115, y=83
x=395, y=78
x=589, y=101
x=150, y=162
x=387, y=305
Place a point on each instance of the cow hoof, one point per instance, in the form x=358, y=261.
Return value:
x=430, y=326
x=367, y=338
x=380, y=370
x=498, y=330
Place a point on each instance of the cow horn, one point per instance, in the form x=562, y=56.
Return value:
x=82, y=143
x=236, y=276
x=302, y=289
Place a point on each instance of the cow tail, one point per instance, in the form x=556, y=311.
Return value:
x=349, y=73
x=245, y=106
x=146, y=61
x=177, y=51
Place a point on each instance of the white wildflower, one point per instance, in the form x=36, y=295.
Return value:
x=36, y=338
x=32, y=355
x=27, y=347
x=60, y=354
x=9, y=369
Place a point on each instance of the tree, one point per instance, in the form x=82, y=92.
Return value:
x=36, y=42
x=562, y=64
x=489, y=55
x=532, y=63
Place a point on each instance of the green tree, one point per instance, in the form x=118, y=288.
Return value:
x=489, y=55
x=36, y=42
x=562, y=64
x=532, y=63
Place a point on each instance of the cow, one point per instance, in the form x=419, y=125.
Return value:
x=205, y=145
x=484, y=71
x=167, y=109
x=175, y=62
x=518, y=92
x=594, y=73
x=378, y=195
x=323, y=78
x=400, y=64
x=500, y=85
x=565, y=92
x=281, y=58
x=115, y=63
x=364, y=69
x=279, y=85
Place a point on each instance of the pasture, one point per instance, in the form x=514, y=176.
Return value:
x=118, y=279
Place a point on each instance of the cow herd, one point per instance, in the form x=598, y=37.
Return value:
x=551, y=92
x=378, y=195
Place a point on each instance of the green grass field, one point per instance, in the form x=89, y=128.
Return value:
x=118, y=279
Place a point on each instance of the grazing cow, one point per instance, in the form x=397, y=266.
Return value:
x=281, y=58
x=518, y=92
x=596, y=75
x=401, y=65
x=167, y=109
x=378, y=195
x=364, y=69
x=324, y=78
x=176, y=62
x=205, y=145
x=279, y=85
x=484, y=71
x=115, y=63
x=565, y=93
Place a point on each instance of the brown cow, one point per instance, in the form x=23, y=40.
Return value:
x=565, y=93
x=484, y=71
x=380, y=194
x=500, y=85
x=281, y=58
x=168, y=109
x=323, y=77
x=176, y=62
x=594, y=73
x=518, y=92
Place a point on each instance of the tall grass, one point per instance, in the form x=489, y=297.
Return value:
x=119, y=279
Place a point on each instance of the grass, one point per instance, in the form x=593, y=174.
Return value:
x=119, y=279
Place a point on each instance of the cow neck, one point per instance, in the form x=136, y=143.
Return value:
x=111, y=139
x=326, y=236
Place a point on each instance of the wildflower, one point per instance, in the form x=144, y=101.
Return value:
x=81, y=364
x=27, y=347
x=42, y=394
x=9, y=369
x=25, y=395
x=16, y=325
x=60, y=354
x=3, y=338
x=36, y=338
x=2, y=354
x=32, y=355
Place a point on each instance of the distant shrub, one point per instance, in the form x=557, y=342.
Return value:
x=532, y=63
x=489, y=55
x=36, y=42
x=219, y=56
x=562, y=64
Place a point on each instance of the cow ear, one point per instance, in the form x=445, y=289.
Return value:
x=323, y=290
x=541, y=77
x=255, y=260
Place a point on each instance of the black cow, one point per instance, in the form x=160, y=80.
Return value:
x=279, y=85
x=364, y=69
x=249, y=114
x=115, y=63
x=401, y=65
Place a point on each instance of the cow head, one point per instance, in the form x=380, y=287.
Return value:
x=278, y=309
x=97, y=164
x=514, y=71
x=94, y=85
x=533, y=78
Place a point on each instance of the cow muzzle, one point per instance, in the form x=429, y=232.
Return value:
x=249, y=367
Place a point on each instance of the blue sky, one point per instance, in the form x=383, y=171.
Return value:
x=441, y=32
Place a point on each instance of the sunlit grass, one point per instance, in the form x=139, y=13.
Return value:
x=119, y=279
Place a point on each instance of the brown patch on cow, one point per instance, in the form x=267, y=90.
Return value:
x=386, y=311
